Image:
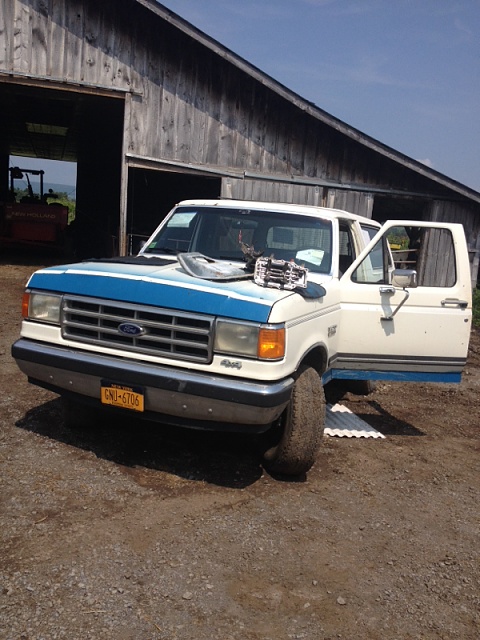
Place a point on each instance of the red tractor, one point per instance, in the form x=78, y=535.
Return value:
x=33, y=220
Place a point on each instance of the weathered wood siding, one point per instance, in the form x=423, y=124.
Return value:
x=357, y=202
x=188, y=103
x=273, y=191
x=264, y=190
x=467, y=215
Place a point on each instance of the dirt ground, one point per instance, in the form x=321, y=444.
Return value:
x=142, y=532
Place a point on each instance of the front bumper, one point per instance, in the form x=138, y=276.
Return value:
x=179, y=396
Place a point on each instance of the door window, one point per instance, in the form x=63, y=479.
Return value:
x=427, y=250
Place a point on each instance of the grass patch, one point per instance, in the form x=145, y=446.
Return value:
x=476, y=307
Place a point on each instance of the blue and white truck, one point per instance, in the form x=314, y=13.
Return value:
x=235, y=314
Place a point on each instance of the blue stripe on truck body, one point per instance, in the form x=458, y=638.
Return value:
x=166, y=287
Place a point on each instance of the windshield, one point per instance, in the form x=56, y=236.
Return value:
x=220, y=232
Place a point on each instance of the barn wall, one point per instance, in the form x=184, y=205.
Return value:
x=188, y=103
x=467, y=215
x=272, y=191
x=354, y=201
x=276, y=191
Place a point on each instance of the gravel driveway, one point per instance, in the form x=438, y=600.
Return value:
x=142, y=532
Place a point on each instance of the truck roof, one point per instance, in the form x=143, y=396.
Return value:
x=300, y=209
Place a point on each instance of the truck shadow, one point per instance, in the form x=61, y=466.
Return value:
x=386, y=423
x=229, y=460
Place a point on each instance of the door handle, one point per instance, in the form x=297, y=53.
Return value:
x=463, y=304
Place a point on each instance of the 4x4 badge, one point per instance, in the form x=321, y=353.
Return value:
x=231, y=364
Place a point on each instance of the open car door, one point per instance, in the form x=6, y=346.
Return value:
x=406, y=306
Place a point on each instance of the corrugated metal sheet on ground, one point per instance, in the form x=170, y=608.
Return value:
x=341, y=422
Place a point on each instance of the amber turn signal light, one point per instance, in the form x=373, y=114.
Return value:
x=271, y=343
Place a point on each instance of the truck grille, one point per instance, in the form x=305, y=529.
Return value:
x=142, y=329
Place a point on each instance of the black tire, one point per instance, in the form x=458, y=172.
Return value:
x=336, y=389
x=301, y=427
x=77, y=415
x=362, y=387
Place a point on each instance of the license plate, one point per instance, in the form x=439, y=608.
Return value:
x=118, y=395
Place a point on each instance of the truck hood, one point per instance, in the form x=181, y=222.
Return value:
x=160, y=283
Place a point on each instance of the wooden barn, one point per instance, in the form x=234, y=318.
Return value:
x=154, y=111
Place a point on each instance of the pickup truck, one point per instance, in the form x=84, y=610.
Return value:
x=236, y=314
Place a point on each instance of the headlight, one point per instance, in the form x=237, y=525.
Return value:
x=251, y=340
x=44, y=307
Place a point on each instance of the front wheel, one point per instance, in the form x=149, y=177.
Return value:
x=301, y=427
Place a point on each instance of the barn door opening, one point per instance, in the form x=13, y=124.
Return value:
x=153, y=193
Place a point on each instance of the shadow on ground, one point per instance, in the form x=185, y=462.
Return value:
x=386, y=423
x=229, y=460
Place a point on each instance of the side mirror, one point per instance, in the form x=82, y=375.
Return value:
x=404, y=279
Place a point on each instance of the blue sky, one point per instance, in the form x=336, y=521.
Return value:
x=55, y=172
x=406, y=72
